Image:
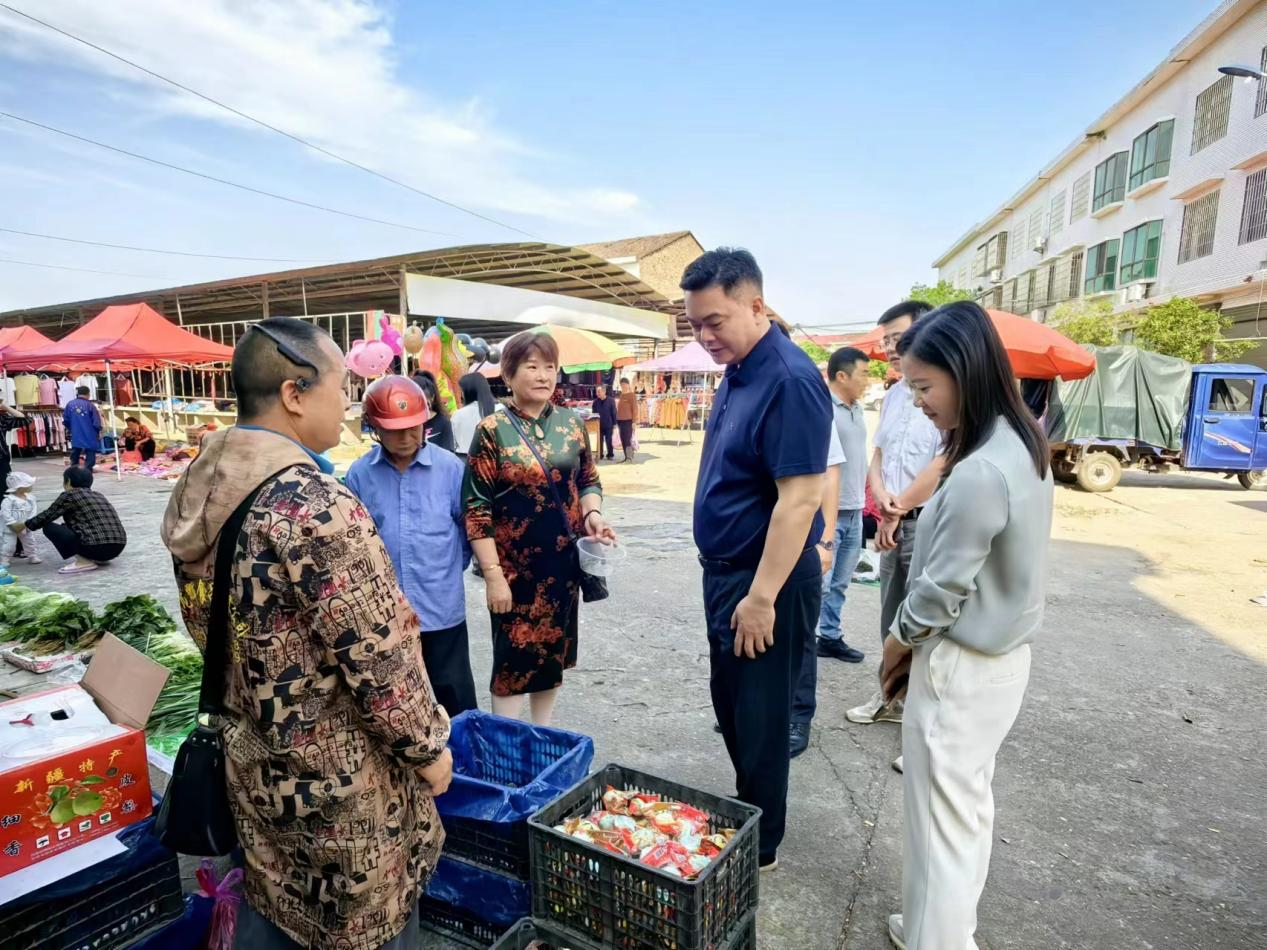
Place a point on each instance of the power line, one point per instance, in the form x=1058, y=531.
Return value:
x=83, y=270
x=261, y=122
x=221, y=181
x=159, y=250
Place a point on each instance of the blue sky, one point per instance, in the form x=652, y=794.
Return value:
x=845, y=144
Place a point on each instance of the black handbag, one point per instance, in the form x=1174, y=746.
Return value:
x=593, y=588
x=195, y=817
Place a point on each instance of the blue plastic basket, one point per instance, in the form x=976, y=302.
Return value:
x=505, y=770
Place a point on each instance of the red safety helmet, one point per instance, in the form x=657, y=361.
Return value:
x=394, y=402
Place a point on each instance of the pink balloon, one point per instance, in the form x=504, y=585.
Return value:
x=390, y=335
x=369, y=359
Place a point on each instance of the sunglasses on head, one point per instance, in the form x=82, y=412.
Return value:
x=302, y=383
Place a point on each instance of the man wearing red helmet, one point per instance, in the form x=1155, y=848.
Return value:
x=413, y=489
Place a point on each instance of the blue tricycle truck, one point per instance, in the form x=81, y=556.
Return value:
x=1156, y=413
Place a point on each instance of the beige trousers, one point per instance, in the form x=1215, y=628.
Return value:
x=960, y=706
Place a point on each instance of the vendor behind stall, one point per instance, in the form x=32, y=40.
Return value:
x=92, y=533
x=138, y=438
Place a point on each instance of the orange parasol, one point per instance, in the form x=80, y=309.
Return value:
x=1036, y=350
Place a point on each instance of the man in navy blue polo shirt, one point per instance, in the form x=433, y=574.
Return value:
x=757, y=522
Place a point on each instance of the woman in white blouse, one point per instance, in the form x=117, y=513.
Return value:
x=973, y=604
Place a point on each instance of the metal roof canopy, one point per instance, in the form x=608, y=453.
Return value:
x=468, y=300
x=376, y=284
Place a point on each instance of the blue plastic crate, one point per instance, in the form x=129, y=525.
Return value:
x=472, y=904
x=503, y=771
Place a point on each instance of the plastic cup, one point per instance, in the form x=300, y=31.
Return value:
x=599, y=558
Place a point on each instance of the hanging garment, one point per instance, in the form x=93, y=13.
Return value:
x=90, y=382
x=65, y=391
x=123, y=391
x=8, y=394
x=27, y=388
x=48, y=391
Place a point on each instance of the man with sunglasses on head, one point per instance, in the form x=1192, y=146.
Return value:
x=905, y=469
x=414, y=491
x=334, y=743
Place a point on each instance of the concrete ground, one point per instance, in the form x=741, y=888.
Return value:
x=1129, y=795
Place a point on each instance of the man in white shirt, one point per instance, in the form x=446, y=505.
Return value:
x=905, y=469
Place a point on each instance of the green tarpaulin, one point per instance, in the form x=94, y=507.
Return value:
x=1133, y=394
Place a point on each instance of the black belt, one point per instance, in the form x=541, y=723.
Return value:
x=912, y=515
x=736, y=564
x=719, y=564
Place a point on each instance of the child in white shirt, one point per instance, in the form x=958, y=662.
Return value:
x=18, y=507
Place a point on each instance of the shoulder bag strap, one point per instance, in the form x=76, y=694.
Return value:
x=215, y=656
x=545, y=470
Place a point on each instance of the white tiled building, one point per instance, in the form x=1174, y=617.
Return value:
x=1164, y=195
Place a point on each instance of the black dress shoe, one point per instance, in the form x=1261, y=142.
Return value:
x=839, y=650
x=797, y=739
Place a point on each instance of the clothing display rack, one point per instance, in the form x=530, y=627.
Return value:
x=44, y=431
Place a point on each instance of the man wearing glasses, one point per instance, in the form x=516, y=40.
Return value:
x=904, y=472
x=334, y=743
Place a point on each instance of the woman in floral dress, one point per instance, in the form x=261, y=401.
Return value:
x=517, y=532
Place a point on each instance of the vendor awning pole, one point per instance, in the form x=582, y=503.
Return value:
x=171, y=402
x=114, y=425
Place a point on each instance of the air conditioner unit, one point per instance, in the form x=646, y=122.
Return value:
x=1136, y=292
x=995, y=276
x=1040, y=246
x=1038, y=316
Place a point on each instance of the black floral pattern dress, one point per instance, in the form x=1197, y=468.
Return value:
x=508, y=500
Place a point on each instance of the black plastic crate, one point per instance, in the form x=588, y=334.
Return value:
x=114, y=915
x=594, y=895
x=523, y=934
x=492, y=757
x=455, y=923
x=498, y=846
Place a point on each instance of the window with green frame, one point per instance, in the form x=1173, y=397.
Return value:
x=1141, y=247
x=1101, y=267
x=1150, y=154
x=1110, y=181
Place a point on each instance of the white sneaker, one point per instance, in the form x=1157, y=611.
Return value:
x=867, y=712
x=897, y=765
x=36, y=559
x=896, y=934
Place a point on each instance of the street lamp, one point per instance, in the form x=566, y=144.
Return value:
x=1245, y=72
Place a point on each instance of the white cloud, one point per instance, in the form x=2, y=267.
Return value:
x=325, y=70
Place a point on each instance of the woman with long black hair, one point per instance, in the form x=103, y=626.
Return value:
x=438, y=428
x=975, y=601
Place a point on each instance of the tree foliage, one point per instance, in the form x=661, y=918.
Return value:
x=1182, y=328
x=1087, y=321
x=817, y=353
x=942, y=292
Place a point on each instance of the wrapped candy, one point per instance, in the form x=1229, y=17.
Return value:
x=669, y=836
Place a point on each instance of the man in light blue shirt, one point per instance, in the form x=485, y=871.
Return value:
x=413, y=490
x=847, y=379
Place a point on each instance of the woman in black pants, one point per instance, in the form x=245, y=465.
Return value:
x=92, y=533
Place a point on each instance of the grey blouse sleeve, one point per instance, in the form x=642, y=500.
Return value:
x=973, y=509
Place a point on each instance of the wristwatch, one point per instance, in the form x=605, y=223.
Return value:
x=827, y=545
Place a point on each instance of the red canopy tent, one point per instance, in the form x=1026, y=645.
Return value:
x=125, y=336
x=122, y=337
x=21, y=339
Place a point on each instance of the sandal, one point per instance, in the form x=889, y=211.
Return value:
x=78, y=568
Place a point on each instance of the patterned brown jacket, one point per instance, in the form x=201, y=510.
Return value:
x=330, y=710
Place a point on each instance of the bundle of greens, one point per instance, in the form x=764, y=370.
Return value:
x=44, y=624
x=174, y=713
x=137, y=619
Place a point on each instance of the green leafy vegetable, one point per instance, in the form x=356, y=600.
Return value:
x=45, y=623
x=137, y=620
